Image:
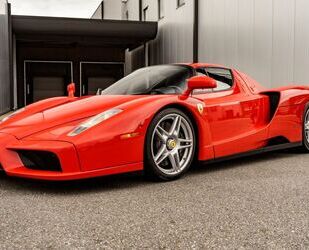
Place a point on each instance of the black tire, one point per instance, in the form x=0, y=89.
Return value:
x=151, y=170
x=305, y=147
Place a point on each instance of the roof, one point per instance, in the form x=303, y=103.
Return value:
x=127, y=34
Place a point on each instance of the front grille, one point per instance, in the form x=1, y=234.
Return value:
x=39, y=160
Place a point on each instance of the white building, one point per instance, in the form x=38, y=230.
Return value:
x=268, y=39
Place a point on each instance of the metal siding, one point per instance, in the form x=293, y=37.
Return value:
x=175, y=34
x=174, y=42
x=283, y=42
x=231, y=32
x=133, y=8
x=301, y=58
x=268, y=39
x=263, y=35
x=5, y=91
x=152, y=11
x=113, y=9
x=217, y=33
x=245, y=34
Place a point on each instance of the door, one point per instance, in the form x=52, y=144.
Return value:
x=237, y=118
x=46, y=79
x=96, y=76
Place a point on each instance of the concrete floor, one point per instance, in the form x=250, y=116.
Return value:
x=250, y=203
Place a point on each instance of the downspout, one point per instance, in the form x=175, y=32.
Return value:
x=146, y=45
x=102, y=10
x=11, y=61
x=196, y=32
x=140, y=10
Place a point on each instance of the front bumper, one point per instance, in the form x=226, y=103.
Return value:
x=65, y=151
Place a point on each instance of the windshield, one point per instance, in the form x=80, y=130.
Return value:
x=163, y=79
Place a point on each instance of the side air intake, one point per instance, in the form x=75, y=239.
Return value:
x=274, y=99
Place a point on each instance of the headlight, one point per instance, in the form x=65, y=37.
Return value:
x=94, y=121
x=13, y=114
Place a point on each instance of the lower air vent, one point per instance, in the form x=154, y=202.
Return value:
x=40, y=160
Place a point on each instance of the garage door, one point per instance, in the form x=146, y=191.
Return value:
x=46, y=79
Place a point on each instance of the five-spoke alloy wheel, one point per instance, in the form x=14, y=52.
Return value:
x=170, y=145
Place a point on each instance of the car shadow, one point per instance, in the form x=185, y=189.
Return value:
x=129, y=180
x=243, y=161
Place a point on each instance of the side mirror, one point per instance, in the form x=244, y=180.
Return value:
x=71, y=90
x=199, y=82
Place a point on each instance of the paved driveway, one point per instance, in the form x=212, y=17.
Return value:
x=256, y=202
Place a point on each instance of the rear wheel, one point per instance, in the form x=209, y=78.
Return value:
x=170, y=145
x=306, y=131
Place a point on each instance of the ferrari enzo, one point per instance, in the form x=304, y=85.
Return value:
x=158, y=119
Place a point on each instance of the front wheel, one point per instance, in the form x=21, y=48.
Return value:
x=170, y=145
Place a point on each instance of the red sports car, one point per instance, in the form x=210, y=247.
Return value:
x=158, y=119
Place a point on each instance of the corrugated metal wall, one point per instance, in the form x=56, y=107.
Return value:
x=135, y=59
x=268, y=39
x=5, y=91
x=132, y=6
x=175, y=35
x=113, y=9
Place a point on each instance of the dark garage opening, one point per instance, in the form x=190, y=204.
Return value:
x=53, y=52
x=46, y=79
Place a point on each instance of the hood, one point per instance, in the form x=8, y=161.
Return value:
x=43, y=116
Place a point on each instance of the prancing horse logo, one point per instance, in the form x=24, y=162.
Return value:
x=200, y=108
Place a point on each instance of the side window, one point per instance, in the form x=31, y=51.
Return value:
x=223, y=77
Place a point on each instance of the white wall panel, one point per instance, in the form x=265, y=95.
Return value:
x=113, y=9
x=283, y=41
x=301, y=59
x=245, y=34
x=174, y=41
x=175, y=37
x=268, y=39
x=230, y=35
x=262, y=39
x=133, y=9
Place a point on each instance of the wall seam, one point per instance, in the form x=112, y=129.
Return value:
x=196, y=32
x=272, y=45
x=294, y=42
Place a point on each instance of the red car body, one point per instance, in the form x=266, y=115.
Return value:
x=243, y=119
